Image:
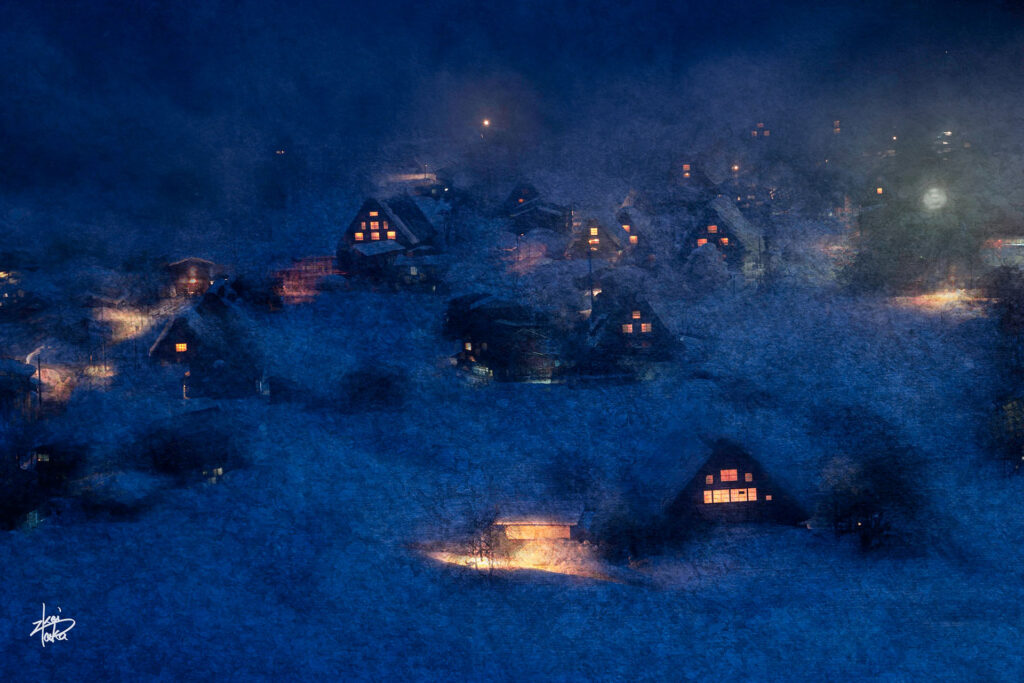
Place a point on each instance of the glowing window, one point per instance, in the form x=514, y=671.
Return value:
x=712, y=229
x=468, y=346
x=721, y=495
x=645, y=327
x=729, y=475
x=414, y=271
x=632, y=239
x=686, y=174
x=385, y=225
x=359, y=237
x=521, y=200
x=686, y=167
x=626, y=228
x=362, y=225
x=627, y=329
x=636, y=315
x=710, y=479
x=374, y=214
x=753, y=133
x=724, y=241
x=738, y=496
x=180, y=348
x=752, y=494
x=375, y=236
x=701, y=242
x=768, y=497
x=593, y=231
x=879, y=190
x=748, y=477
x=707, y=497
x=374, y=225
x=391, y=234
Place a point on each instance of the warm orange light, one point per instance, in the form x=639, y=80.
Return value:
x=391, y=234
x=735, y=167
x=180, y=348
x=626, y=228
x=468, y=346
x=627, y=329
x=636, y=315
x=374, y=236
x=712, y=228
x=632, y=239
x=374, y=214
x=593, y=231
x=359, y=237
x=701, y=242
x=724, y=241
x=878, y=190
x=645, y=327
x=487, y=122
x=729, y=475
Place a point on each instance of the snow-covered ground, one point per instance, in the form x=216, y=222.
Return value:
x=303, y=562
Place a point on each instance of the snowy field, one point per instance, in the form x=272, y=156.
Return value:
x=303, y=562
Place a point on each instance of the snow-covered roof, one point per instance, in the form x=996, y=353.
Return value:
x=377, y=248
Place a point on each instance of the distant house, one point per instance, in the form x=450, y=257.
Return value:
x=503, y=340
x=416, y=272
x=599, y=241
x=623, y=328
x=380, y=231
x=527, y=211
x=193, y=276
x=210, y=338
x=298, y=283
x=731, y=486
x=720, y=224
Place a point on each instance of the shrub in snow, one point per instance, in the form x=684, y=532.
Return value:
x=200, y=444
x=371, y=388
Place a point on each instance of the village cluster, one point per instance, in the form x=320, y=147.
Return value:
x=574, y=309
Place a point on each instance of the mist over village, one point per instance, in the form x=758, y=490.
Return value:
x=532, y=341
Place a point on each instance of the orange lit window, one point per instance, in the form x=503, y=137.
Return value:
x=626, y=228
x=362, y=225
x=468, y=346
x=391, y=234
x=707, y=497
x=768, y=497
x=521, y=200
x=594, y=241
x=748, y=477
x=738, y=496
x=729, y=475
x=374, y=214
x=710, y=479
x=636, y=315
x=701, y=242
x=385, y=226
x=645, y=327
x=712, y=229
x=593, y=231
x=878, y=190
x=375, y=236
x=632, y=239
x=721, y=496
x=724, y=241
x=180, y=348
x=359, y=237
x=627, y=329
x=374, y=225
x=686, y=167
x=752, y=494
x=753, y=133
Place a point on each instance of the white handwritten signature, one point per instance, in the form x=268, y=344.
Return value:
x=54, y=624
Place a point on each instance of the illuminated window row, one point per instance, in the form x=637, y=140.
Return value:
x=374, y=236
x=627, y=328
x=730, y=496
x=724, y=241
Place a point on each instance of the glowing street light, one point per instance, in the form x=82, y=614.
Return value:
x=487, y=123
x=934, y=198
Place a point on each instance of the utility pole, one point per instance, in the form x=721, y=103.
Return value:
x=39, y=384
